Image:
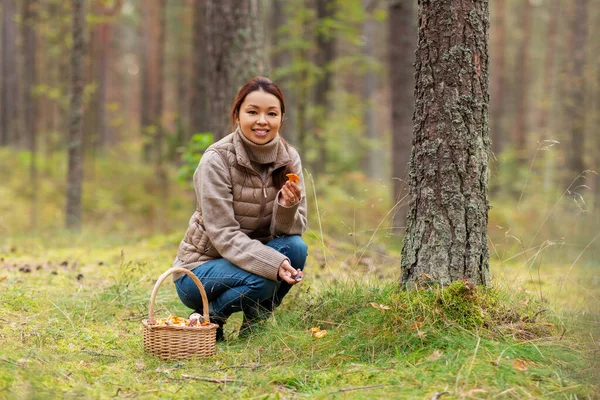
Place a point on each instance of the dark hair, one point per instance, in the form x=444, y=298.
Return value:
x=266, y=85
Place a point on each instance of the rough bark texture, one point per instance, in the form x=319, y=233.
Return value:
x=575, y=107
x=8, y=109
x=232, y=57
x=447, y=222
x=402, y=42
x=498, y=74
x=75, y=168
x=522, y=74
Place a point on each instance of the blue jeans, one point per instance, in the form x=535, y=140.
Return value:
x=230, y=289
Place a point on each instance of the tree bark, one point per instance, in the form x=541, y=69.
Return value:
x=152, y=77
x=447, y=223
x=325, y=54
x=8, y=109
x=401, y=44
x=231, y=58
x=29, y=101
x=75, y=168
x=199, y=94
x=522, y=74
x=498, y=74
x=575, y=107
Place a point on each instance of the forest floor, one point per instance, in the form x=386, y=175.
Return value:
x=71, y=309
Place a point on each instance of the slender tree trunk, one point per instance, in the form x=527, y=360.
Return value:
x=75, y=168
x=280, y=58
x=575, y=110
x=29, y=101
x=199, y=94
x=8, y=111
x=152, y=77
x=402, y=42
x=522, y=73
x=372, y=164
x=325, y=55
x=447, y=224
x=498, y=74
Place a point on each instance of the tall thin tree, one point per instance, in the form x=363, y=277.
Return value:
x=498, y=34
x=8, y=109
x=325, y=53
x=446, y=236
x=522, y=89
x=402, y=38
x=75, y=143
x=29, y=101
x=199, y=82
x=575, y=106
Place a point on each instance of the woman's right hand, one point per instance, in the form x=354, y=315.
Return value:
x=288, y=274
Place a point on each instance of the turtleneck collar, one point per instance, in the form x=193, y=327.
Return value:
x=260, y=153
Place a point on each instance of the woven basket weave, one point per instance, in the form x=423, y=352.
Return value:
x=179, y=342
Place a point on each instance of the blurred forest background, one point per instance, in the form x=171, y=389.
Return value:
x=156, y=76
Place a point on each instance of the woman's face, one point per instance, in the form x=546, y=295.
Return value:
x=260, y=117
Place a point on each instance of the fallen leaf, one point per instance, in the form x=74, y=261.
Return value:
x=416, y=325
x=520, y=365
x=381, y=307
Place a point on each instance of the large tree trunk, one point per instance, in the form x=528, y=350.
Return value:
x=8, y=112
x=575, y=107
x=199, y=94
x=498, y=74
x=75, y=168
x=230, y=29
x=401, y=43
x=522, y=73
x=29, y=101
x=447, y=223
x=325, y=54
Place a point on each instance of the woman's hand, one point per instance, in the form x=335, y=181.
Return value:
x=288, y=274
x=290, y=193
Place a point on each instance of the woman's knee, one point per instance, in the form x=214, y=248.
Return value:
x=298, y=251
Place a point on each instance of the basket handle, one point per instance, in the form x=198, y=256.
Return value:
x=163, y=277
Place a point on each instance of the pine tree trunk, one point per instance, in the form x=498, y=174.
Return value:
x=522, y=74
x=447, y=224
x=372, y=155
x=75, y=168
x=402, y=42
x=498, y=74
x=230, y=28
x=199, y=81
x=8, y=111
x=29, y=102
x=325, y=55
x=575, y=110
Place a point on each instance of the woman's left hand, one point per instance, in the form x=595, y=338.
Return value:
x=290, y=193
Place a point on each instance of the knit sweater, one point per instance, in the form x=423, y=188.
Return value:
x=237, y=208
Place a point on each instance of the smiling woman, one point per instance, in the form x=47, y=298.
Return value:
x=244, y=240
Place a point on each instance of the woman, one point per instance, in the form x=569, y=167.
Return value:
x=243, y=242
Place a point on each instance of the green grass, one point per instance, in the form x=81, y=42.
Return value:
x=72, y=327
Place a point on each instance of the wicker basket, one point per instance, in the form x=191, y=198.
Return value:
x=179, y=342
